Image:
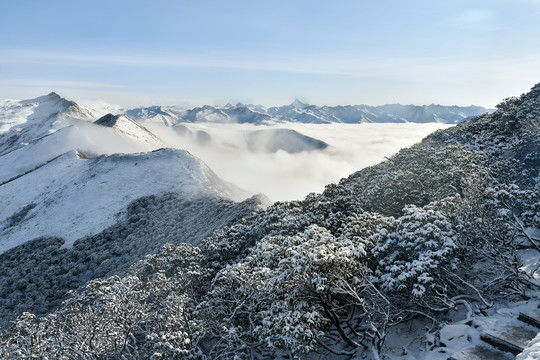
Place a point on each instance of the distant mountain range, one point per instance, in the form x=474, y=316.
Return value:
x=305, y=113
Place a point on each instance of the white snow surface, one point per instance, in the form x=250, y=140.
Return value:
x=414, y=340
x=82, y=136
x=128, y=127
x=75, y=197
x=533, y=350
x=13, y=114
x=48, y=111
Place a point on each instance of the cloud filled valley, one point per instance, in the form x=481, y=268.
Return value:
x=283, y=175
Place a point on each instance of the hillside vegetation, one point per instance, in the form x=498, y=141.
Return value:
x=436, y=227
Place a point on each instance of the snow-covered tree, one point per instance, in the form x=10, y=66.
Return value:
x=411, y=257
x=318, y=293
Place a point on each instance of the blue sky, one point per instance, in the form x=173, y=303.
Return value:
x=270, y=52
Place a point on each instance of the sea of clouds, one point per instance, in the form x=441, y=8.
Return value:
x=290, y=176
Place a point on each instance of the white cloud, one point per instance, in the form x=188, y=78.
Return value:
x=284, y=176
x=432, y=67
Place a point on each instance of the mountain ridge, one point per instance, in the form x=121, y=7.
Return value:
x=129, y=127
x=297, y=111
x=305, y=113
x=68, y=181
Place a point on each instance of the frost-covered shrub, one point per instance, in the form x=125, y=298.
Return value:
x=116, y=318
x=411, y=257
x=415, y=176
x=229, y=312
x=530, y=201
x=313, y=282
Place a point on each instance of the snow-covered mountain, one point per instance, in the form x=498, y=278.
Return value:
x=23, y=122
x=128, y=127
x=39, y=130
x=301, y=112
x=71, y=196
x=70, y=179
x=58, y=166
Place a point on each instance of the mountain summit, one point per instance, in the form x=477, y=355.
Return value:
x=299, y=104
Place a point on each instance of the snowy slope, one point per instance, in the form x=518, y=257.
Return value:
x=13, y=113
x=64, y=173
x=71, y=197
x=23, y=122
x=86, y=137
x=124, y=125
x=38, y=130
x=106, y=185
x=29, y=121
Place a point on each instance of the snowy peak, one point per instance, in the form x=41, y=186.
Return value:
x=128, y=127
x=299, y=104
x=53, y=104
x=52, y=96
x=111, y=120
x=27, y=121
x=157, y=114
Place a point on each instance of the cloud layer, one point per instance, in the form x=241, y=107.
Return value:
x=285, y=176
